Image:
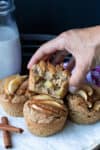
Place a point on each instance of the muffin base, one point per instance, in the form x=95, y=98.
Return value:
x=81, y=118
x=79, y=113
x=44, y=129
x=13, y=109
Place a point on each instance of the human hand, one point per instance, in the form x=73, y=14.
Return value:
x=81, y=43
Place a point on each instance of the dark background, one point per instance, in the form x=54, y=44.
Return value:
x=55, y=16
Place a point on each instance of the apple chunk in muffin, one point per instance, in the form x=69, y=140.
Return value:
x=49, y=79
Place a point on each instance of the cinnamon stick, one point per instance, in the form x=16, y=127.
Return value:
x=6, y=134
x=10, y=128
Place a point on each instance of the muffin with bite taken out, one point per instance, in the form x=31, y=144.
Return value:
x=46, y=78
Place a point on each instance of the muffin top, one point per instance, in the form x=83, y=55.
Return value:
x=47, y=97
x=15, y=89
x=45, y=111
x=88, y=95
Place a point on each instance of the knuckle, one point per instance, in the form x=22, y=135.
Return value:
x=66, y=37
x=63, y=39
x=67, y=33
x=63, y=35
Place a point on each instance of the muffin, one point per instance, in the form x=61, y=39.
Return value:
x=48, y=79
x=44, y=117
x=14, y=93
x=84, y=105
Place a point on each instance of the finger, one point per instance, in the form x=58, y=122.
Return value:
x=96, y=61
x=78, y=75
x=47, y=49
x=59, y=57
x=46, y=58
x=71, y=64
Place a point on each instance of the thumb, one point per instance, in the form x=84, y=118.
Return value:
x=78, y=74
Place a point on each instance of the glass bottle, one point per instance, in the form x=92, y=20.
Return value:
x=10, y=47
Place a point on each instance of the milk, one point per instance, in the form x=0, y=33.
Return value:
x=10, y=52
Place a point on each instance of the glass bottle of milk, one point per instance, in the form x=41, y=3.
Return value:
x=10, y=48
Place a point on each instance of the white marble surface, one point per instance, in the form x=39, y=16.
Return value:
x=73, y=137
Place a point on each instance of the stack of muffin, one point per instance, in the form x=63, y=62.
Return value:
x=44, y=101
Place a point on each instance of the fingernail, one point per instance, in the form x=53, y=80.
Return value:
x=72, y=89
x=29, y=65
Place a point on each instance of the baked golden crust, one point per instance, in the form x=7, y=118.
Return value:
x=48, y=79
x=45, y=117
x=13, y=95
x=45, y=97
x=84, y=105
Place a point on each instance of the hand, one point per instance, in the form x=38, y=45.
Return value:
x=81, y=43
